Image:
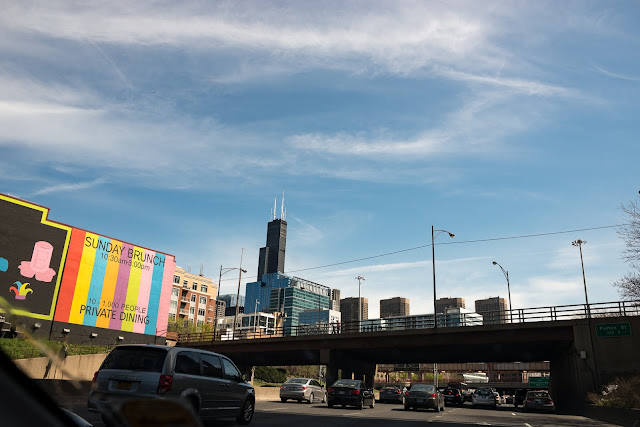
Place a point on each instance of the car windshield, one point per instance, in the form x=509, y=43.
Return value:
x=390, y=389
x=297, y=381
x=147, y=359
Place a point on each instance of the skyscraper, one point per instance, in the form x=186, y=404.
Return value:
x=272, y=255
x=394, y=307
x=443, y=303
x=493, y=310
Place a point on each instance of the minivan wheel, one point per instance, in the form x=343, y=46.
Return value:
x=247, y=412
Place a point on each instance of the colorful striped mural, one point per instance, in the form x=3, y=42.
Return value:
x=116, y=285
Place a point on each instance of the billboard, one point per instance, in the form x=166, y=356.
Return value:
x=116, y=285
x=32, y=256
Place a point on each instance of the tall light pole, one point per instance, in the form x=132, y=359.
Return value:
x=223, y=271
x=360, y=279
x=235, y=318
x=579, y=244
x=506, y=274
x=433, y=262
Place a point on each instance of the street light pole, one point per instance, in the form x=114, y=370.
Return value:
x=433, y=263
x=235, y=318
x=579, y=244
x=506, y=274
x=223, y=271
x=359, y=278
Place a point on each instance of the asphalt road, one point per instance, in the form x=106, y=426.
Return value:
x=301, y=414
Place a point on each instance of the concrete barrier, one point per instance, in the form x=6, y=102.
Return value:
x=78, y=367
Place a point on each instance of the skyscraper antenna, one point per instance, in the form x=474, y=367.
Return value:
x=282, y=213
x=273, y=212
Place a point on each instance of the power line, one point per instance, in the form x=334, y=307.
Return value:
x=523, y=236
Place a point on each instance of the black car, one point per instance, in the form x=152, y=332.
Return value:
x=392, y=394
x=518, y=398
x=453, y=396
x=350, y=392
x=423, y=396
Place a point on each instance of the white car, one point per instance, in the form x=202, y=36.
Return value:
x=484, y=397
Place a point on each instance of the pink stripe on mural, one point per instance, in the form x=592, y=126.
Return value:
x=120, y=294
x=143, y=291
x=165, y=297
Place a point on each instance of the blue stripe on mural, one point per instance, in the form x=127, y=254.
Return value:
x=97, y=280
x=154, y=296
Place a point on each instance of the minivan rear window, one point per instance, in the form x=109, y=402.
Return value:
x=136, y=359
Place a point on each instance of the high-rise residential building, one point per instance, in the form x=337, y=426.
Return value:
x=193, y=298
x=230, y=304
x=443, y=303
x=397, y=306
x=271, y=258
x=335, y=299
x=493, y=310
x=349, y=309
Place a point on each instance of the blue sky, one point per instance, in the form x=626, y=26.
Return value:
x=175, y=125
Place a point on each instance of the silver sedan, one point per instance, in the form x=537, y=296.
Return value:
x=302, y=389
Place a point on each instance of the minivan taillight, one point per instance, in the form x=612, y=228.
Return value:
x=95, y=377
x=165, y=383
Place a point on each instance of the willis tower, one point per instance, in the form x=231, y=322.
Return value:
x=272, y=255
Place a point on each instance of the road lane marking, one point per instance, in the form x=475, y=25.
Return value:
x=528, y=425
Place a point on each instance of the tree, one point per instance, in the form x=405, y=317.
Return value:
x=629, y=285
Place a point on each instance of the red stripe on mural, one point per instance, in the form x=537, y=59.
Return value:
x=70, y=275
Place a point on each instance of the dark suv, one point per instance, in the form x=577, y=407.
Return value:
x=209, y=383
x=453, y=396
x=518, y=398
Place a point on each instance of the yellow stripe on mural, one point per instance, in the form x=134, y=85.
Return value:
x=109, y=286
x=84, y=281
x=135, y=275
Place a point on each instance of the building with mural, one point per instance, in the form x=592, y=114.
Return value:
x=64, y=283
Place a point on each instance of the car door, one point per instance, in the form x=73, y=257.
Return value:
x=318, y=391
x=186, y=375
x=235, y=387
x=214, y=386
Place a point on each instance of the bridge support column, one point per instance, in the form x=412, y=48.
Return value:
x=366, y=372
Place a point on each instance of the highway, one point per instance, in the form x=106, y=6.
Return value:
x=277, y=414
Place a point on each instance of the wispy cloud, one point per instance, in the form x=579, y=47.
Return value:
x=67, y=188
x=615, y=75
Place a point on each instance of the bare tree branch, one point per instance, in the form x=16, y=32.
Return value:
x=629, y=285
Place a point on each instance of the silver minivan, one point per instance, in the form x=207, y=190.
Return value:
x=209, y=383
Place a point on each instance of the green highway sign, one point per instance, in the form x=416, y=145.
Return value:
x=622, y=329
x=539, y=381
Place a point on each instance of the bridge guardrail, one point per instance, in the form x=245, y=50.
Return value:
x=426, y=321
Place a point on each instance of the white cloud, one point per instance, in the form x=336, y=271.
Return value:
x=70, y=187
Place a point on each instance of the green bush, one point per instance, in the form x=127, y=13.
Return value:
x=17, y=348
x=269, y=374
x=621, y=393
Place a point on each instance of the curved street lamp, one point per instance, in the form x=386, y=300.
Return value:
x=433, y=262
x=579, y=244
x=235, y=318
x=223, y=271
x=506, y=275
x=359, y=279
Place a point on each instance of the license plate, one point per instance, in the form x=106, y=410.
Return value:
x=124, y=385
x=341, y=392
x=419, y=400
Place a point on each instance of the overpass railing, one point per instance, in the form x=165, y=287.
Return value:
x=425, y=321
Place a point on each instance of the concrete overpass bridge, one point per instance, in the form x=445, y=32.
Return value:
x=582, y=357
